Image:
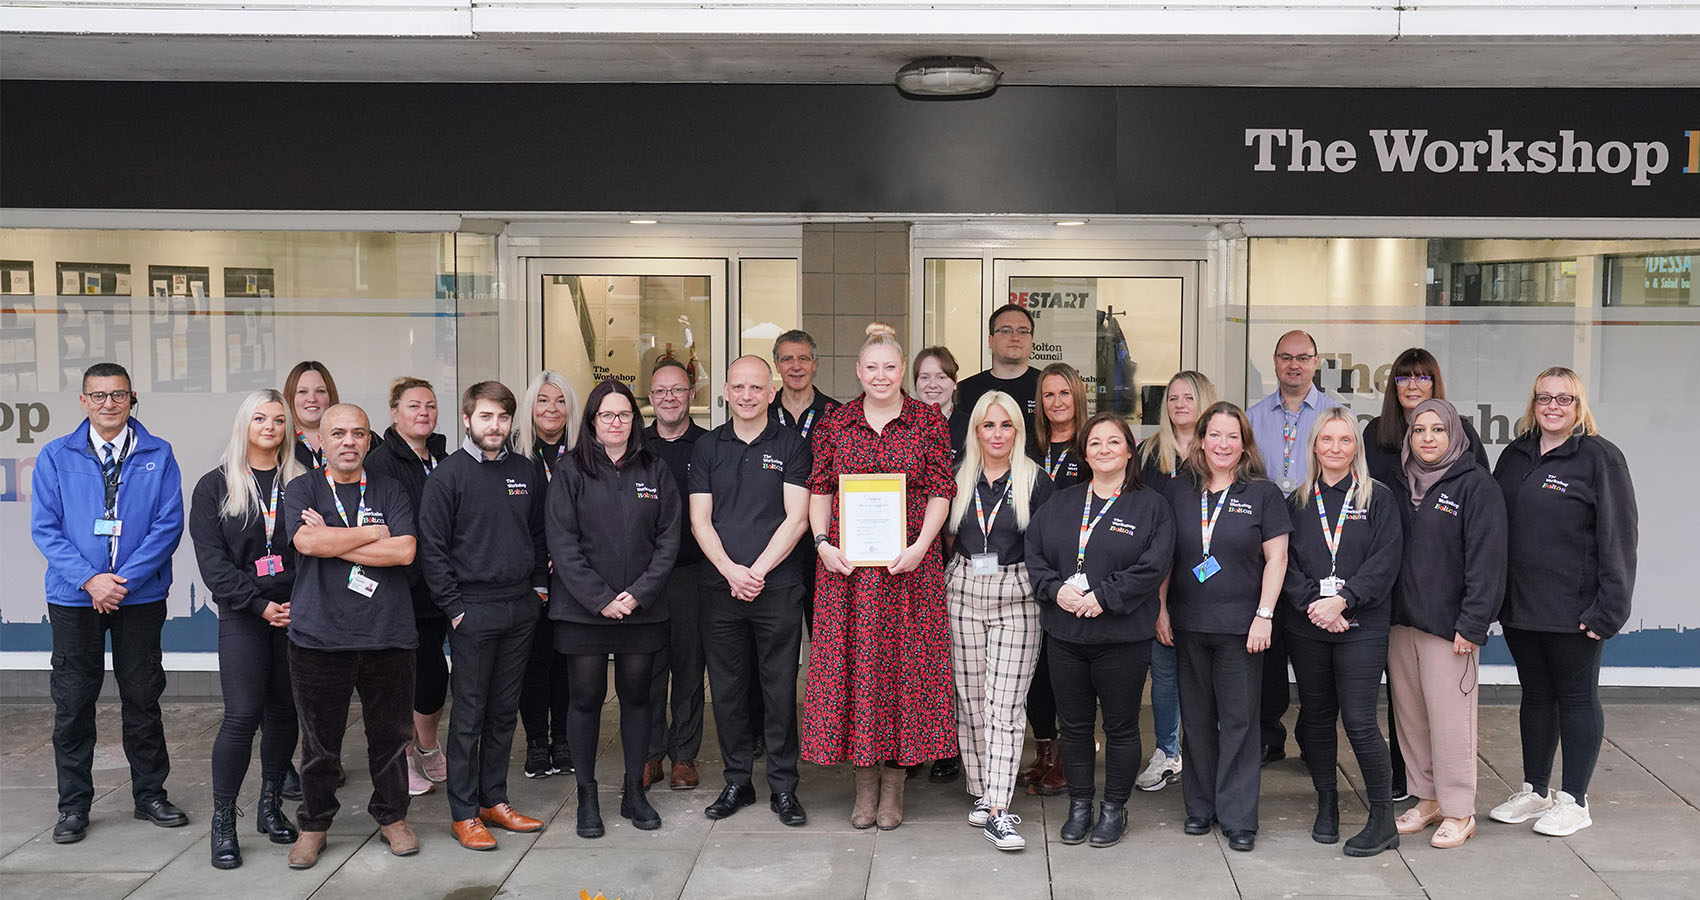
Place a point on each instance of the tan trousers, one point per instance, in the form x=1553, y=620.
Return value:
x=1434, y=704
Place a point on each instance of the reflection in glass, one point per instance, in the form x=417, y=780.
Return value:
x=620, y=326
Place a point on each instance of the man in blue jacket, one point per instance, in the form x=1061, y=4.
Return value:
x=107, y=514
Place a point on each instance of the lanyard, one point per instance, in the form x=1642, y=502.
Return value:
x=429, y=462
x=1053, y=467
x=808, y=422
x=1289, y=436
x=1087, y=529
x=269, y=510
x=318, y=455
x=1207, y=519
x=986, y=521
x=338, y=500
x=1332, y=538
x=549, y=468
x=110, y=483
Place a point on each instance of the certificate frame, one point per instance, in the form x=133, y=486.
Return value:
x=877, y=495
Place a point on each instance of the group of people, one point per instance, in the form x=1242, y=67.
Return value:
x=561, y=534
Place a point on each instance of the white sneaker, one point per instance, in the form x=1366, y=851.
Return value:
x=1565, y=818
x=417, y=782
x=1000, y=830
x=1162, y=771
x=980, y=813
x=1522, y=806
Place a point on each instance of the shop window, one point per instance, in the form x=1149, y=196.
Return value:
x=768, y=303
x=620, y=326
x=952, y=297
x=1665, y=279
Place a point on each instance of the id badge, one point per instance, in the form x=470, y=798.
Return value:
x=268, y=565
x=1078, y=582
x=1205, y=569
x=108, y=527
x=984, y=563
x=360, y=584
x=1331, y=586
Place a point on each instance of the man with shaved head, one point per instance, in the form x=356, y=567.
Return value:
x=351, y=629
x=749, y=507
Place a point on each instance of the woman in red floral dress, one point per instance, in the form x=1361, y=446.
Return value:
x=879, y=689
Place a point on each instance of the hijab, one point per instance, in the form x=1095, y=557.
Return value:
x=1423, y=475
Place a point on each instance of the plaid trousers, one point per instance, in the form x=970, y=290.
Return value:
x=994, y=646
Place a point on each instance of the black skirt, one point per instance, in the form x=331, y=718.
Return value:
x=615, y=637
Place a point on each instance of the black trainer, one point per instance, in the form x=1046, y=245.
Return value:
x=537, y=763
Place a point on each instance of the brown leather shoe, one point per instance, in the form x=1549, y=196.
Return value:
x=503, y=816
x=304, y=853
x=402, y=840
x=651, y=772
x=684, y=775
x=473, y=835
x=1036, y=769
x=1051, y=780
x=891, y=797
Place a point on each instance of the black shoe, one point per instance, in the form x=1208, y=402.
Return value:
x=589, y=812
x=161, y=813
x=1112, y=824
x=1327, y=827
x=789, y=809
x=537, y=764
x=268, y=814
x=71, y=828
x=292, y=784
x=634, y=805
x=1198, y=825
x=226, y=852
x=1242, y=841
x=1273, y=753
x=1079, y=822
x=1380, y=833
x=945, y=770
x=560, y=758
x=732, y=799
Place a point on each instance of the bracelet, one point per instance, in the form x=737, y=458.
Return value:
x=819, y=540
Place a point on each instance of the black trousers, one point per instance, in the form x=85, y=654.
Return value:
x=1560, y=675
x=589, y=678
x=79, y=669
x=253, y=672
x=680, y=666
x=768, y=631
x=1341, y=679
x=1394, y=756
x=543, y=698
x=430, y=666
x=1220, y=686
x=1042, y=698
x=323, y=682
x=491, y=647
x=1276, y=695
x=1087, y=677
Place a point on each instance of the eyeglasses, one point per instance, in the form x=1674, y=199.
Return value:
x=1550, y=399
x=1402, y=380
x=100, y=397
x=609, y=418
x=1011, y=330
x=669, y=392
x=1290, y=358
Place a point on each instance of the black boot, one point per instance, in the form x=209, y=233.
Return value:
x=226, y=853
x=635, y=806
x=1112, y=822
x=1327, y=827
x=589, y=812
x=1079, y=821
x=292, y=784
x=268, y=814
x=1380, y=833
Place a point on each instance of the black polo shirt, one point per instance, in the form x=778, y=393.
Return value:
x=805, y=424
x=1024, y=388
x=1063, y=465
x=1226, y=603
x=1006, y=539
x=747, y=483
x=676, y=454
x=324, y=614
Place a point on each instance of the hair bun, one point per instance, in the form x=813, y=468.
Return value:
x=876, y=329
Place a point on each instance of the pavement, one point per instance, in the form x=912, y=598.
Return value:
x=1644, y=844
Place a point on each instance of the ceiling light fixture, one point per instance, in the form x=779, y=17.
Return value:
x=641, y=222
x=948, y=76
x=1069, y=223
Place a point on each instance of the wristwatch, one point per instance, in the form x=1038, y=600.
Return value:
x=820, y=539
x=1265, y=613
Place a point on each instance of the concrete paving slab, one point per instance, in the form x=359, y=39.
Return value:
x=442, y=868
x=117, y=841
x=627, y=873
x=925, y=862
x=772, y=866
x=27, y=813
x=1654, y=885
x=1288, y=859
x=62, y=885
x=1514, y=865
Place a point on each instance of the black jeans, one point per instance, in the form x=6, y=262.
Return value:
x=1272, y=732
x=1560, y=675
x=681, y=666
x=253, y=672
x=1341, y=678
x=1087, y=677
x=323, y=681
x=1042, y=698
x=543, y=698
x=79, y=669
x=1221, y=687
x=768, y=630
x=430, y=666
x=491, y=647
x=589, y=679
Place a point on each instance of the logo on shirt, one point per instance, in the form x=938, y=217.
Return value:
x=1447, y=505
x=645, y=492
x=1241, y=507
x=1554, y=483
x=516, y=488
x=370, y=517
x=772, y=463
x=1119, y=526
x=1356, y=513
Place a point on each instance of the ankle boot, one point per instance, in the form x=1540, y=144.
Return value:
x=1051, y=780
x=892, y=780
x=1380, y=833
x=1079, y=821
x=226, y=853
x=866, y=810
x=268, y=814
x=1327, y=827
x=1036, y=769
x=589, y=812
x=1112, y=824
x=635, y=806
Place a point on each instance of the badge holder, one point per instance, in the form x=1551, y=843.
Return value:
x=1331, y=586
x=360, y=584
x=1078, y=582
x=984, y=564
x=108, y=527
x=268, y=565
x=1205, y=569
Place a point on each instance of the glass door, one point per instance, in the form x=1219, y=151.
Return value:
x=617, y=317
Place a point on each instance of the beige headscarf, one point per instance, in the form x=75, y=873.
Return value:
x=1422, y=475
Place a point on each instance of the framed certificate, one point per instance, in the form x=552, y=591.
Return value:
x=871, y=526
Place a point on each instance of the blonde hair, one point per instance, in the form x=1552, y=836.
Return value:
x=1076, y=389
x=1584, y=415
x=241, y=494
x=1360, y=467
x=1022, y=470
x=1164, y=446
x=525, y=430
x=882, y=334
